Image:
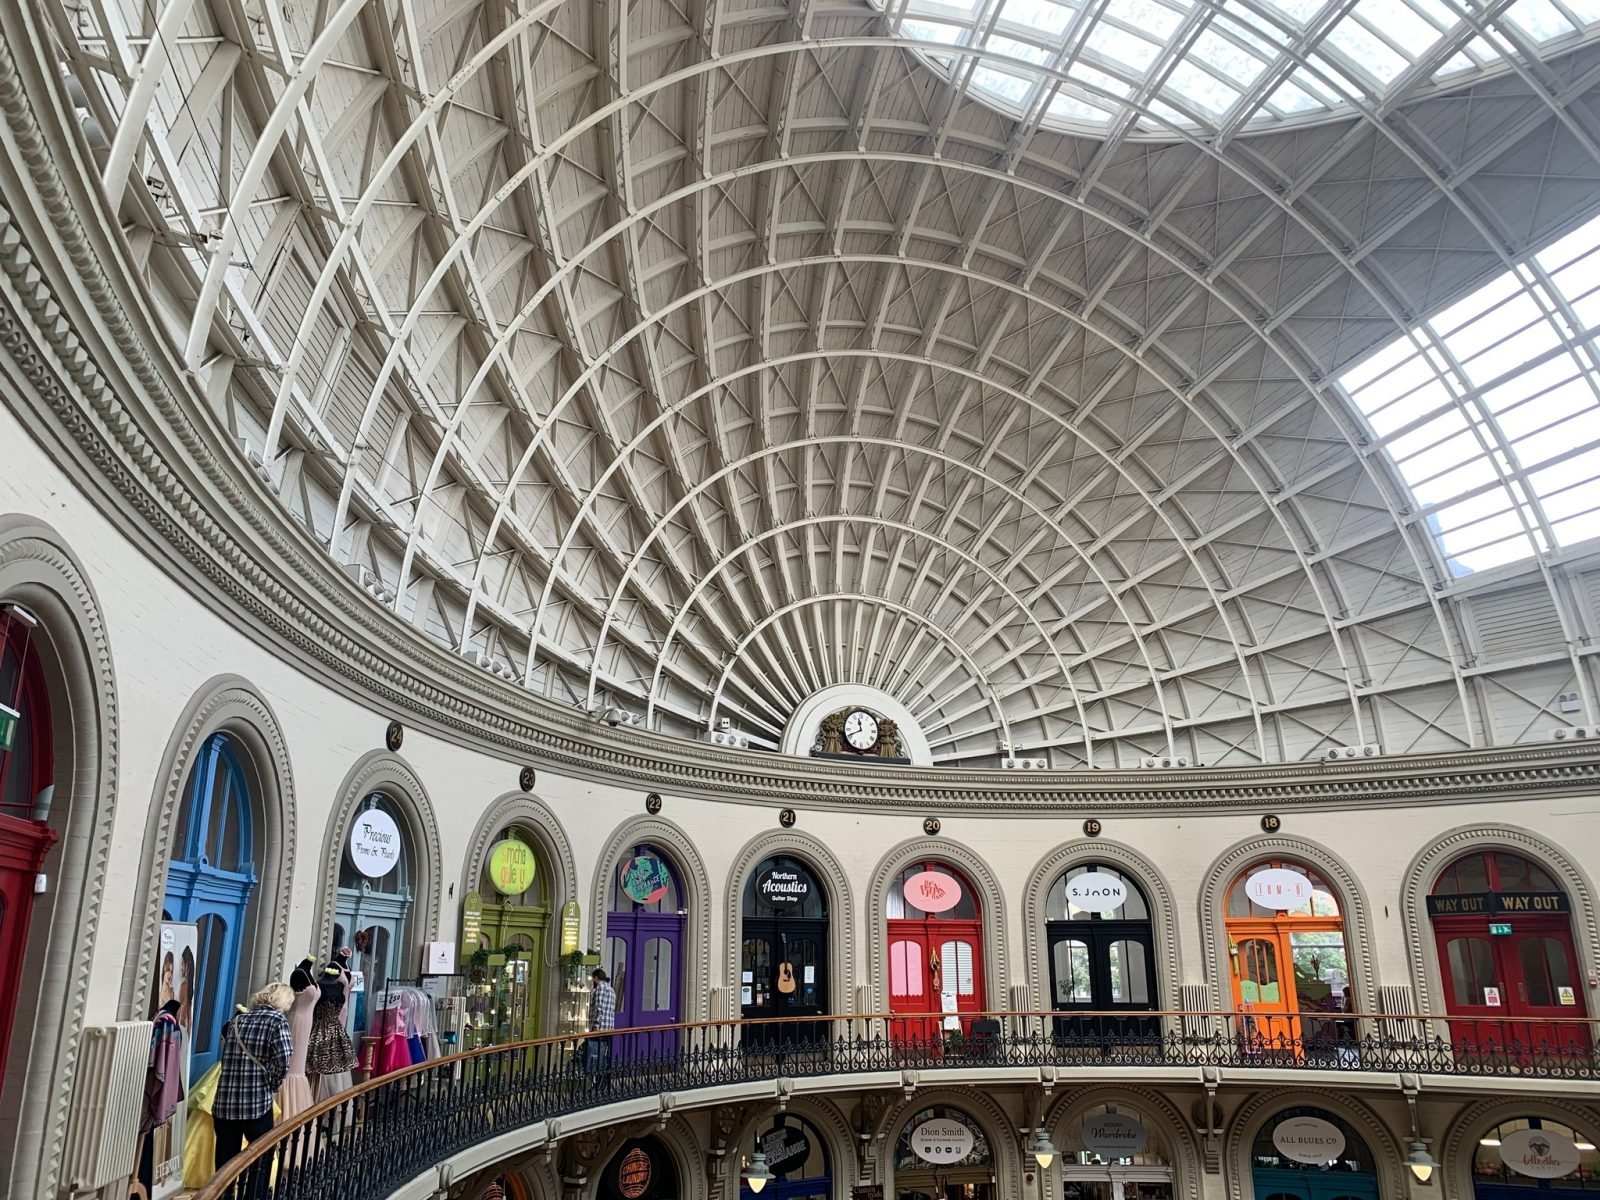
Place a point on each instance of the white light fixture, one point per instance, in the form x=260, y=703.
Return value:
x=1491, y=1140
x=757, y=1174
x=1044, y=1151
x=1583, y=1145
x=1420, y=1162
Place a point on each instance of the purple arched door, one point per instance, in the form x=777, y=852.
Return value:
x=644, y=952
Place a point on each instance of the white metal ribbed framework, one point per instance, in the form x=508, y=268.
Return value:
x=690, y=357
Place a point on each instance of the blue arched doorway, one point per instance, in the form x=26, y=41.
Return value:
x=1286, y=1164
x=210, y=881
x=373, y=911
x=797, y=1157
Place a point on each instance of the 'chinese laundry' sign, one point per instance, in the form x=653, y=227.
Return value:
x=374, y=843
x=782, y=887
x=1096, y=892
x=932, y=891
x=511, y=867
x=633, y=1173
x=1308, y=1140
x=941, y=1141
x=645, y=879
x=1539, y=1153
x=1278, y=889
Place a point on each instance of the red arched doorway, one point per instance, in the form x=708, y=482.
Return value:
x=27, y=770
x=1503, y=929
x=935, y=950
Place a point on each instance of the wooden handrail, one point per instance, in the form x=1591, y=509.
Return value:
x=213, y=1189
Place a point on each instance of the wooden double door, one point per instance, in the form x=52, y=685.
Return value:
x=1509, y=993
x=1107, y=968
x=784, y=973
x=644, y=950
x=927, y=959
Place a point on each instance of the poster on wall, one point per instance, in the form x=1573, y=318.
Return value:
x=1491, y=997
x=167, y=1068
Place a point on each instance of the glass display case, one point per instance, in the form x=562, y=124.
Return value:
x=497, y=1000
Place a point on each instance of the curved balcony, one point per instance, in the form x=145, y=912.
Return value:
x=369, y=1142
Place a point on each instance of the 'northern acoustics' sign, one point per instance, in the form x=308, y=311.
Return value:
x=783, y=887
x=1485, y=903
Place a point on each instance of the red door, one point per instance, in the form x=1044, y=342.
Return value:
x=927, y=958
x=1531, y=974
x=23, y=846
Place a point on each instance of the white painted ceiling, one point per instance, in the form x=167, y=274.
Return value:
x=688, y=358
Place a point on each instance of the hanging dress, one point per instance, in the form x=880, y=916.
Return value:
x=294, y=1097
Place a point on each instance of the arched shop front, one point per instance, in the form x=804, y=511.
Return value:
x=783, y=969
x=27, y=776
x=1308, y=1153
x=1502, y=927
x=1102, y=955
x=1529, y=1157
x=644, y=948
x=935, y=930
x=942, y=1153
x=641, y=1169
x=796, y=1157
x=506, y=962
x=1286, y=945
x=373, y=913
x=1114, y=1152
x=210, y=882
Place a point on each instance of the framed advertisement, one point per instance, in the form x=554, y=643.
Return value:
x=160, y=1167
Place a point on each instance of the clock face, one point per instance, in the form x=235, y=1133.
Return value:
x=861, y=730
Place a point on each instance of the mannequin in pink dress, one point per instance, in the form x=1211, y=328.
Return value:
x=294, y=1096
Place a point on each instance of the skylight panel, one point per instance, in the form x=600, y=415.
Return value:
x=1299, y=11
x=1201, y=87
x=1065, y=105
x=933, y=32
x=1366, y=51
x=1121, y=46
x=1159, y=21
x=1025, y=51
x=1520, y=440
x=1290, y=99
x=1039, y=16
x=1238, y=64
x=1539, y=19
x=1011, y=88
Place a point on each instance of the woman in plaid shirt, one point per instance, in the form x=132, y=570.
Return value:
x=255, y=1057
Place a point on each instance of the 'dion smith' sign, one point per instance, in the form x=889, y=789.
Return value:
x=941, y=1141
x=374, y=843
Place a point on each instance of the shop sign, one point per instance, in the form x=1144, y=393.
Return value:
x=439, y=959
x=374, y=843
x=1539, y=1153
x=511, y=867
x=1308, y=1140
x=9, y=717
x=786, y=1148
x=932, y=891
x=867, y=1191
x=941, y=1141
x=570, y=921
x=471, y=920
x=1279, y=889
x=633, y=1174
x=645, y=879
x=1096, y=892
x=1496, y=903
x=782, y=887
x=1114, y=1135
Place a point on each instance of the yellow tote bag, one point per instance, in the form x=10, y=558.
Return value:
x=200, y=1135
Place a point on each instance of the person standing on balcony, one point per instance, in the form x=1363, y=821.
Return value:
x=256, y=1049
x=602, y=1017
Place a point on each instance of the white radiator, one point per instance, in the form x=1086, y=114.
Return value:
x=103, y=1136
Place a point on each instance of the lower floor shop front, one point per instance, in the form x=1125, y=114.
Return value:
x=1511, y=1142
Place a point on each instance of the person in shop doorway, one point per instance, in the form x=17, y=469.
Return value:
x=602, y=1016
x=256, y=1049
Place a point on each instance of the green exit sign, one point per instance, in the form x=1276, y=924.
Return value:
x=8, y=727
x=1500, y=929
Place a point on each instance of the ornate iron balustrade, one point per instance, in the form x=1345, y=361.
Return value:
x=364, y=1143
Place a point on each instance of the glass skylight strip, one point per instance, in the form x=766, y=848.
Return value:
x=1491, y=410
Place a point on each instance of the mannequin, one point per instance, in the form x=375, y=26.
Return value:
x=330, y=1054
x=294, y=1097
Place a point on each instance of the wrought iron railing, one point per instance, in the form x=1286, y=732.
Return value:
x=364, y=1143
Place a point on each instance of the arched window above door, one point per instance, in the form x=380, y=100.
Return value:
x=394, y=882
x=899, y=905
x=645, y=881
x=533, y=896
x=1079, y=894
x=27, y=768
x=1320, y=899
x=1527, y=1155
x=1306, y=1153
x=215, y=827
x=784, y=886
x=1493, y=871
